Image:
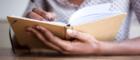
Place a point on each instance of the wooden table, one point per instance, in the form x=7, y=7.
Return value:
x=6, y=54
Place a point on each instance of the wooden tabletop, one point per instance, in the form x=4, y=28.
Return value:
x=6, y=54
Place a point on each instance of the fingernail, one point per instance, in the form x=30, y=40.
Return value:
x=69, y=31
x=38, y=27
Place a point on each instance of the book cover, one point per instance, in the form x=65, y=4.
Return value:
x=103, y=25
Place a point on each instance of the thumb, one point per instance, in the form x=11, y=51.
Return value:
x=79, y=35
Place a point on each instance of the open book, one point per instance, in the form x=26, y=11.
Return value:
x=103, y=25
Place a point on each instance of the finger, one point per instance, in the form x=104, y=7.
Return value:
x=55, y=40
x=40, y=37
x=33, y=15
x=51, y=16
x=79, y=35
x=47, y=15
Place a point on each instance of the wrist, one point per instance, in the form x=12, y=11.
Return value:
x=97, y=49
x=106, y=48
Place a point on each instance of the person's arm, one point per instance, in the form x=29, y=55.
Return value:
x=85, y=44
x=130, y=46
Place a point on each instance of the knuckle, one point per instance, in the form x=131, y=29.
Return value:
x=42, y=29
x=34, y=9
x=75, y=34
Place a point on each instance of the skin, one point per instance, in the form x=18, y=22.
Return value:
x=85, y=45
x=42, y=15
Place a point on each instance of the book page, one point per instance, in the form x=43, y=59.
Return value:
x=105, y=29
x=91, y=14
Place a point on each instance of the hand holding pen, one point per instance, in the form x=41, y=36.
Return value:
x=42, y=15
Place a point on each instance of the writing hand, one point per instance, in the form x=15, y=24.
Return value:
x=40, y=14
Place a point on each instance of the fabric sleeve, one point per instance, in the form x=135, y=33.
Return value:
x=135, y=5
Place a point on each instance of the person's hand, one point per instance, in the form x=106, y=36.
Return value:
x=40, y=14
x=82, y=44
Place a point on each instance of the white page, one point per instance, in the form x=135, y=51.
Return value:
x=91, y=14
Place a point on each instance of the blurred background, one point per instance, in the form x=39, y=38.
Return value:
x=17, y=7
x=9, y=7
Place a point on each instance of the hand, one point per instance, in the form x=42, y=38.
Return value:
x=82, y=44
x=40, y=14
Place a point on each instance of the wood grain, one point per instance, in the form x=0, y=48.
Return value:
x=6, y=54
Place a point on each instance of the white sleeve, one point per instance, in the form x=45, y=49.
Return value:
x=120, y=5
